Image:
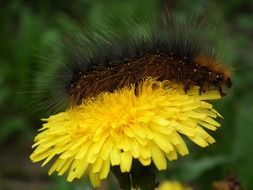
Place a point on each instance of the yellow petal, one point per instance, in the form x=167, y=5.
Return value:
x=65, y=166
x=145, y=161
x=163, y=143
x=158, y=157
x=96, y=166
x=105, y=169
x=94, y=179
x=126, y=162
x=115, y=157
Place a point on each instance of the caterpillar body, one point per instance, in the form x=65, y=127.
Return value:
x=168, y=49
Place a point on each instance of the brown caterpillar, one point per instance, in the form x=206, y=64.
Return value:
x=160, y=66
x=180, y=50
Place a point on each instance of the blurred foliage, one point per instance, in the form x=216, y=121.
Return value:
x=27, y=27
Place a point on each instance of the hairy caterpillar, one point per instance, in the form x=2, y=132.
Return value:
x=169, y=48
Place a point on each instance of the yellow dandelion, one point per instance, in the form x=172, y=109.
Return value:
x=173, y=185
x=115, y=128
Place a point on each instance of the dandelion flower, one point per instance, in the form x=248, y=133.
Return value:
x=144, y=123
x=173, y=185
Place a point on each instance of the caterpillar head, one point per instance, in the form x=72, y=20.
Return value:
x=219, y=75
x=223, y=79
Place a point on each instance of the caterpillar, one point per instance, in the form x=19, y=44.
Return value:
x=169, y=48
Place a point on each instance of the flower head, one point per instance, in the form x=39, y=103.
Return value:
x=173, y=185
x=143, y=122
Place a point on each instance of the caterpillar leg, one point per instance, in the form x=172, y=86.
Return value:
x=221, y=91
x=203, y=87
x=187, y=85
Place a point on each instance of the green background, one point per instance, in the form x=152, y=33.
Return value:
x=28, y=26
